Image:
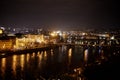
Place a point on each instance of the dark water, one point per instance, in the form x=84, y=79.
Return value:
x=45, y=65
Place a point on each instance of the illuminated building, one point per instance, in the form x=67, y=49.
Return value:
x=7, y=42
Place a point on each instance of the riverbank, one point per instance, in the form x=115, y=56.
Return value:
x=6, y=53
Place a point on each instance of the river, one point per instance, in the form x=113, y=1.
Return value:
x=53, y=64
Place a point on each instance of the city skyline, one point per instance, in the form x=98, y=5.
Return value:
x=59, y=40
x=60, y=14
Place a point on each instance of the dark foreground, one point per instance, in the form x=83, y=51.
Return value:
x=108, y=70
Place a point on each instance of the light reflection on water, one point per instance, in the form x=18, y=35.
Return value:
x=69, y=55
x=33, y=54
x=39, y=59
x=14, y=63
x=45, y=55
x=86, y=55
x=3, y=65
x=22, y=61
x=46, y=63
x=28, y=57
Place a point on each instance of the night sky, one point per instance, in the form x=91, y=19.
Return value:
x=60, y=14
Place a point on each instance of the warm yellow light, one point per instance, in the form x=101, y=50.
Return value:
x=45, y=54
x=1, y=31
x=86, y=55
x=28, y=57
x=33, y=54
x=3, y=65
x=53, y=34
x=22, y=61
x=14, y=64
x=70, y=52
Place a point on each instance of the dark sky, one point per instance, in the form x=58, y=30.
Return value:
x=60, y=14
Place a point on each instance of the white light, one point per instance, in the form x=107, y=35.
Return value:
x=112, y=37
x=83, y=33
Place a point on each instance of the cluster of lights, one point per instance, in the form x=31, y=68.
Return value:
x=55, y=33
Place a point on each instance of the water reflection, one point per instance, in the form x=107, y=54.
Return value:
x=64, y=48
x=38, y=53
x=69, y=55
x=41, y=52
x=28, y=57
x=48, y=63
x=51, y=52
x=101, y=53
x=44, y=55
x=39, y=59
x=22, y=61
x=14, y=63
x=86, y=55
x=3, y=65
x=33, y=54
